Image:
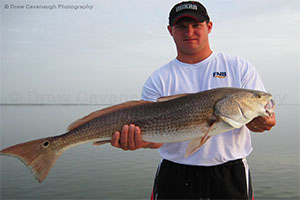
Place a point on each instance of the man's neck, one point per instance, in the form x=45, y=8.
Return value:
x=194, y=58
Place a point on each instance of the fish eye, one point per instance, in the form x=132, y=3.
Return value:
x=258, y=96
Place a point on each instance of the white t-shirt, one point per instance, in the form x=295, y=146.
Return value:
x=218, y=70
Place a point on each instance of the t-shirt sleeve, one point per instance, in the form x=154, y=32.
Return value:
x=251, y=78
x=150, y=90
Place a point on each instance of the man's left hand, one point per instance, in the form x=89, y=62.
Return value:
x=261, y=124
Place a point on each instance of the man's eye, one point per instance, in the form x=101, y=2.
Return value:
x=196, y=25
x=180, y=26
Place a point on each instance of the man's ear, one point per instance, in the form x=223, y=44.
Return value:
x=170, y=30
x=209, y=25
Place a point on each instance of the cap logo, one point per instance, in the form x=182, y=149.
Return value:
x=186, y=6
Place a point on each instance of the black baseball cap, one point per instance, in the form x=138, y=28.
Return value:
x=192, y=9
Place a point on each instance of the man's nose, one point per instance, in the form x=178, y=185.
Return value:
x=188, y=30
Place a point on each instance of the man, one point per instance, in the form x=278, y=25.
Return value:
x=218, y=170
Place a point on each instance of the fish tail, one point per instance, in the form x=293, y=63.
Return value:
x=37, y=155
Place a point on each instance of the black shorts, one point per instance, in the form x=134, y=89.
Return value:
x=230, y=180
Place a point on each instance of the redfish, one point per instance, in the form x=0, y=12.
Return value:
x=195, y=117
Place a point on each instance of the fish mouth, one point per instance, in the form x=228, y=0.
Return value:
x=269, y=107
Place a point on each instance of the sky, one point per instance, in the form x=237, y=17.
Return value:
x=101, y=52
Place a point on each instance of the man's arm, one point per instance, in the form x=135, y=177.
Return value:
x=131, y=139
x=261, y=124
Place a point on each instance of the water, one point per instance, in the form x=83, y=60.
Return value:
x=104, y=172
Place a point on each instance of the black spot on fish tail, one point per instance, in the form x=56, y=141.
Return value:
x=45, y=144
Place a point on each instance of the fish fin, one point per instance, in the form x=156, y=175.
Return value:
x=104, y=111
x=98, y=143
x=197, y=143
x=37, y=155
x=231, y=122
x=168, y=98
x=216, y=126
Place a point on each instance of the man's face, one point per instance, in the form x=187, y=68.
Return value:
x=190, y=36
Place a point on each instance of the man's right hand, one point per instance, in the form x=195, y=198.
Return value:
x=131, y=139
